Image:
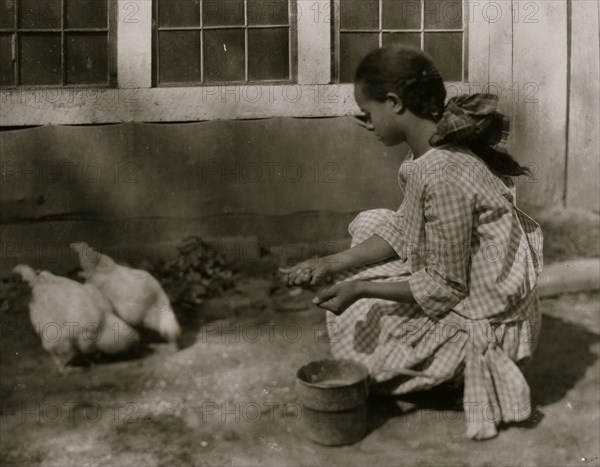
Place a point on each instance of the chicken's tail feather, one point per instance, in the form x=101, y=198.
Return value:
x=161, y=318
x=79, y=247
x=27, y=273
x=90, y=259
x=168, y=326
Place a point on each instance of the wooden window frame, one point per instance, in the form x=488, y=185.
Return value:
x=292, y=47
x=336, y=30
x=111, y=80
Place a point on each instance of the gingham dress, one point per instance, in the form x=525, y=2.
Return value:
x=471, y=259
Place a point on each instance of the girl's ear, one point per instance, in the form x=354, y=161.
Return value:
x=396, y=102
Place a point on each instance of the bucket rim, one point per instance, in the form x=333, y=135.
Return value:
x=321, y=385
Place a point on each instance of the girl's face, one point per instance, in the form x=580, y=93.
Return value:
x=382, y=118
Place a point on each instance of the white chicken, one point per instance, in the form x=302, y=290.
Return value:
x=135, y=294
x=73, y=319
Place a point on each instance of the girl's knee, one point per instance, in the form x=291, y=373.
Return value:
x=367, y=223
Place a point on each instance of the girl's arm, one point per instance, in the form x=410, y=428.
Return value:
x=372, y=250
x=339, y=297
x=394, y=291
x=312, y=271
x=443, y=281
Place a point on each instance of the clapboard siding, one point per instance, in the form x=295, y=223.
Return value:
x=583, y=155
x=540, y=70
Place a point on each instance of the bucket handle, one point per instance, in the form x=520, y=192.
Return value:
x=403, y=371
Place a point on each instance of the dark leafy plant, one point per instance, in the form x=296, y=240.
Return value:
x=198, y=271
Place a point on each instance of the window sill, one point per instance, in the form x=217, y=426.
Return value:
x=64, y=106
x=71, y=106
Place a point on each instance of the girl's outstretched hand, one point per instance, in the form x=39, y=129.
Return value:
x=309, y=272
x=339, y=297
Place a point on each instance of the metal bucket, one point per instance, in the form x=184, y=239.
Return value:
x=333, y=394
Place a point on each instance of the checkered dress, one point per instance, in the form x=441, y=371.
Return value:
x=471, y=259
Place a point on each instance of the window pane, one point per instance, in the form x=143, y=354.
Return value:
x=353, y=48
x=39, y=58
x=224, y=55
x=7, y=14
x=87, y=58
x=359, y=14
x=7, y=73
x=179, y=56
x=178, y=13
x=445, y=49
x=268, y=54
x=268, y=12
x=39, y=14
x=443, y=14
x=406, y=38
x=86, y=14
x=223, y=12
x=401, y=14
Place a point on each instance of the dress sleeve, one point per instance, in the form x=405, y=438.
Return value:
x=392, y=231
x=443, y=282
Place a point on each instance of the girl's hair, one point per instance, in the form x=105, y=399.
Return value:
x=411, y=74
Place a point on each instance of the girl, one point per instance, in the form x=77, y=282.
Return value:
x=444, y=287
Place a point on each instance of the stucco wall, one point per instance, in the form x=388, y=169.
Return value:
x=135, y=188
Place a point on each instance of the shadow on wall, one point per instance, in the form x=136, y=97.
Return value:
x=138, y=187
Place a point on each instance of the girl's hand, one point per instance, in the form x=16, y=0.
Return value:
x=339, y=297
x=309, y=272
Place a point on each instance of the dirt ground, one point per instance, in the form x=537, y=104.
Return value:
x=227, y=395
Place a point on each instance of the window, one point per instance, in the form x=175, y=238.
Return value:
x=56, y=43
x=435, y=26
x=222, y=41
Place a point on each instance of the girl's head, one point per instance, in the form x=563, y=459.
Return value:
x=400, y=90
x=396, y=86
x=407, y=73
